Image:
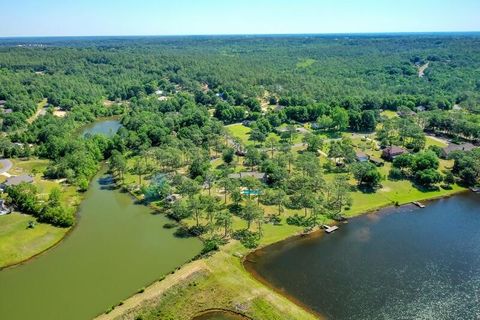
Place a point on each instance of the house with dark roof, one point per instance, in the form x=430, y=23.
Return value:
x=456, y=147
x=390, y=153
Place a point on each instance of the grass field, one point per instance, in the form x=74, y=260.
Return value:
x=18, y=243
x=240, y=132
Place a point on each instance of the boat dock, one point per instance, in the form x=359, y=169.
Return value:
x=329, y=229
x=418, y=204
x=476, y=190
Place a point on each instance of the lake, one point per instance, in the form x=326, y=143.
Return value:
x=400, y=263
x=117, y=248
x=104, y=127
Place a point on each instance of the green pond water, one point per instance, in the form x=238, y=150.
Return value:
x=104, y=127
x=117, y=248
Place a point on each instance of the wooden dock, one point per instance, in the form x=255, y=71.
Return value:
x=418, y=204
x=329, y=229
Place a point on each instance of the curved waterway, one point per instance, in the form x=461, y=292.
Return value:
x=400, y=263
x=117, y=248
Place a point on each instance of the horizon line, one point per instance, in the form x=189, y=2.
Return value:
x=245, y=34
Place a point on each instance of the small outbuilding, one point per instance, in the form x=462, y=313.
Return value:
x=362, y=156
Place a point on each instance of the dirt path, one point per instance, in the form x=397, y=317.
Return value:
x=155, y=290
x=421, y=70
x=40, y=111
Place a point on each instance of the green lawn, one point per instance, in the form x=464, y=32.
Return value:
x=305, y=63
x=241, y=132
x=18, y=243
x=389, y=114
x=435, y=142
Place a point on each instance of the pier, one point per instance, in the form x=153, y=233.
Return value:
x=418, y=204
x=329, y=229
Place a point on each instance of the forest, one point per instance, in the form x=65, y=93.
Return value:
x=310, y=105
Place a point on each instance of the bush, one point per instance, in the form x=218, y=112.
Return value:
x=301, y=221
x=197, y=230
x=212, y=244
x=395, y=174
x=247, y=238
x=273, y=218
x=169, y=225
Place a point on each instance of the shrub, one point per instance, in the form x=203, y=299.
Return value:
x=395, y=174
x=212, y=244
x=169, y=225
x=301, y=221
x=247, y=238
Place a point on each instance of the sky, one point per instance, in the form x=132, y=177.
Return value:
x=190, y=17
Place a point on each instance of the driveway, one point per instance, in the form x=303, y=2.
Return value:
x=6, y=165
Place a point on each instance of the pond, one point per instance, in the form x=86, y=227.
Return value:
x=104, y=127
x=401, y=263
x=117, y=248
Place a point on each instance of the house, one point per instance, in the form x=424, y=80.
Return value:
x=16, y=180
x=376, y=161
x=362, y=156
x=2, y=102
x=159, y=92
x=456, y=147
x=406, y=113
x=255, y=174
x=282, y=130
x=301, y=130
x=390, y=153
x=421, y=109
x=7, y=110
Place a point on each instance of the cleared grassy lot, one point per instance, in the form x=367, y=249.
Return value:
x=18, y=242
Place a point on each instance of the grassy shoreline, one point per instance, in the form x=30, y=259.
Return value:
x=71, y=198
x=223, y=275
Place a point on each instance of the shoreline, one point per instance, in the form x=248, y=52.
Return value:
x=248, y=262
x=136, y=302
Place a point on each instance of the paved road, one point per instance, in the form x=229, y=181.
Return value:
x=6, y=165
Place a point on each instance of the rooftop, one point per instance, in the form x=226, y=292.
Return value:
x=13, y=181
x=458, y=147
x=255, y=174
